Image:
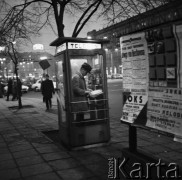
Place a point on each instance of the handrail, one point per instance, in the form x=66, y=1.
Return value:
x=107, y=109
x=89, y=100
x=86, y=121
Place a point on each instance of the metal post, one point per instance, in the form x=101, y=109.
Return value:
x=112, y=66
x=132, y=138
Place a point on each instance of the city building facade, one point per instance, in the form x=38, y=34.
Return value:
x=28, y=66
x=166, y=14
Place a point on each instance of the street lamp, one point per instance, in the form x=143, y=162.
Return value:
x=2, y=59
x=43, y=57
x=2, y=48
x=6, y=70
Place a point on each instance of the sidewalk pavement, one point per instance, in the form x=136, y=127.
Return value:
x=26, y=153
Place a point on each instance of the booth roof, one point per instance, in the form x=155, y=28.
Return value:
x=62, y=40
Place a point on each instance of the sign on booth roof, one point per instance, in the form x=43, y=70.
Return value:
x=73, y=45
x=83, y=45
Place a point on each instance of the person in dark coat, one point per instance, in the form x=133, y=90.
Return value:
x=80, y=91
x=1, y=90
x=16, y=90
x=10, y=88
x=47, y=89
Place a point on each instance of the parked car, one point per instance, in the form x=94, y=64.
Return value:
x=3, y=84
x=118, y=76
x=26, y=83
x=114, y=76
x=24, y=89
x=37, y=85
x=109, y=76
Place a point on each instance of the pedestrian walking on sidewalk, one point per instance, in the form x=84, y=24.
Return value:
x=16, y=90
x=10, y=88
x=1, y=90
x=47, y=89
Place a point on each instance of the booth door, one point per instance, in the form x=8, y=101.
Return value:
x=60, y=90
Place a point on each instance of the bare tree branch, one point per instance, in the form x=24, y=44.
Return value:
x=29, y=17
x=76, y=30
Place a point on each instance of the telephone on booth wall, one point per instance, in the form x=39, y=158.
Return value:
x=95, y=79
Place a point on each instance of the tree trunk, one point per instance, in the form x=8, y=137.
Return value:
x=59, y=14
x=18, y=88
x=61, y=30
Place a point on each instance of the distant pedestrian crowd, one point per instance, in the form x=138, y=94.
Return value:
x=13, y=87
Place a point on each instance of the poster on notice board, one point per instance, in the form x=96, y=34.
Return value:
x=135, y=75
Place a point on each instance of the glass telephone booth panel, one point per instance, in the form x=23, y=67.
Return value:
x=83, y=121
x=60, y=92
x=61, y=98
x=94, y=106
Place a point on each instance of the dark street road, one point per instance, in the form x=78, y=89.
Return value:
x=114, y=93
x=115, y=97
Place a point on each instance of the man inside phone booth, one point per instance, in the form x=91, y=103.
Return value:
x=80, y=91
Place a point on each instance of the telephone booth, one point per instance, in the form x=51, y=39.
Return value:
x=93, y=129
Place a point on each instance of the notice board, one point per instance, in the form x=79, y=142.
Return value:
x=152, y=78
